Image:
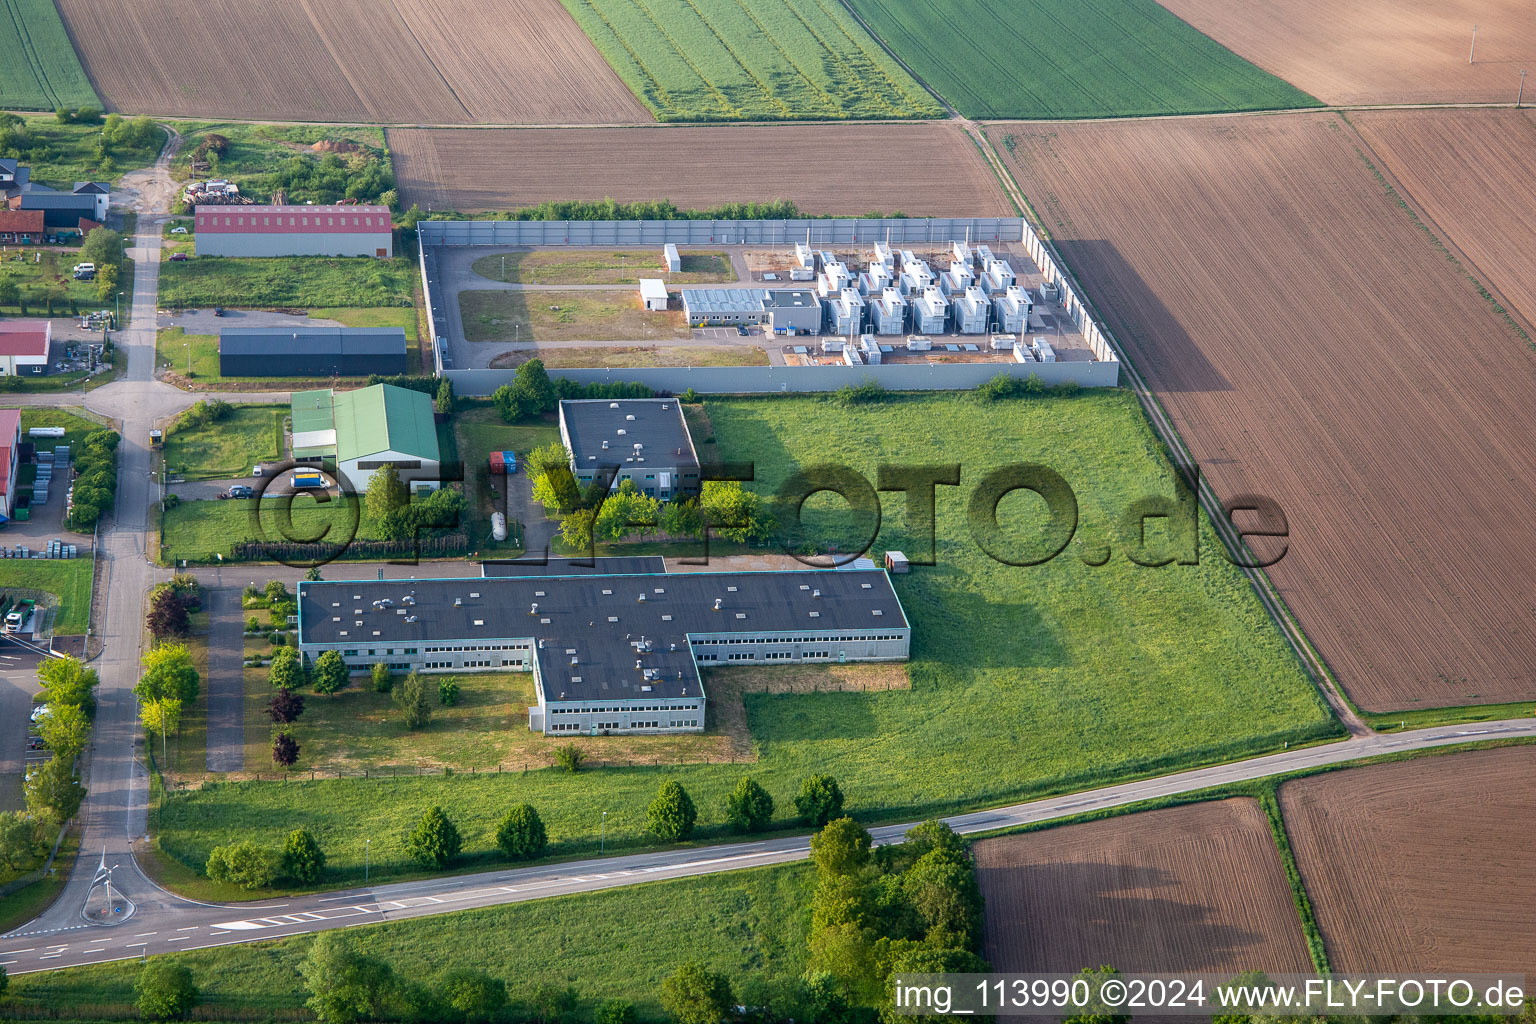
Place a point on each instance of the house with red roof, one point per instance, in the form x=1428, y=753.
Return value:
x=10, y=450
x=21, y=227
x=25, y=346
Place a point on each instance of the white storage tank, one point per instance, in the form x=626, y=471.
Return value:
x=498, y=526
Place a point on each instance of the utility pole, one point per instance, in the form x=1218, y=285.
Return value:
x=1471, y=57
x=1521, y=95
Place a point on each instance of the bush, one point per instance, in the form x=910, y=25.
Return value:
x=285, y=750
x=569, y=757
x=867, y=393
x=749, y=808
x=245, y=864
x=671, y=815
x=521, y=834
x=285, y=706
x=820, y=800
x=474, y=996
x=448, y=692
x=303, y=860
x=253, y=625
x=165, y=990
x=411, y=698
x=697, y=995
x=616, y=1011
x=383, y=682
x=435, y=840
x=287, y=669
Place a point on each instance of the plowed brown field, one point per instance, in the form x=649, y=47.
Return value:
x=1423, y=865
x=1377, y=51
x=1195, y=888
x=1312, y=345
x=1472, y=172
x=920, y=169
x=378, y=61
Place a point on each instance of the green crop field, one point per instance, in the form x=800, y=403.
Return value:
x=40, y=70
x=720, y=60
x=1070, y=59
x=1023, y=680
x=750, y=925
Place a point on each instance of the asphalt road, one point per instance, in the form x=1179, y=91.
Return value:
x=163, y=923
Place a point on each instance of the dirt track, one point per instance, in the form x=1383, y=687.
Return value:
x=1378, y=51
x=1471, y=172
x=412, y=61
x=1424, y=865
x=1195, y=888
x=928, y=169
x=1312, y=345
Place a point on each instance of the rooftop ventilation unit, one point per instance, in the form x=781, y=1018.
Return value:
x=717, y=604
x=642, y=598
x=458, y=602
x=613, y=405
x=622, y=431
x=816, y=593
x=410, y=618
x=573, y=661
x=630, y=418
x=534, y=611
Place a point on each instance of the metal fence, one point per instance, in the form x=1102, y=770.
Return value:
x=828, y=231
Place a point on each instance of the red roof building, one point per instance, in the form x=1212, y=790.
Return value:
x=21, y=227
x=24, y=347
x=294, y=231
x=10, y=447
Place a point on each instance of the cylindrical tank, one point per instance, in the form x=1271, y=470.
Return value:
x=498, y=526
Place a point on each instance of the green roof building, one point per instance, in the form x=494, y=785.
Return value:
x=363, y=430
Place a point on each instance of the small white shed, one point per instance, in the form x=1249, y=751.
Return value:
x=653, y=294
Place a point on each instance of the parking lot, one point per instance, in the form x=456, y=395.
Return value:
x=19, y=745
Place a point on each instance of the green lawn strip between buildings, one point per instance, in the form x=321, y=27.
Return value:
x=1025, y=681
x=1071, y=59
x=68, y=579
x=228, y=448
x=307, y=282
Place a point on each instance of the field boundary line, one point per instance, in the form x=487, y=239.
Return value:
x=1162, y=424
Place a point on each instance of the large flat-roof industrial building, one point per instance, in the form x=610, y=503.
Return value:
x=610, y=653
x=311, y=351
x=788, y=310
x=644, y=440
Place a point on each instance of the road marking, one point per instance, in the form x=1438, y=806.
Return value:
x=84, y=951
x=179, y=938
x=312, y=917
x=13, y=952
x=226, y=931
x=131, y=945
x=6, y=963
x=189, y=928
x=50, y=956
x=145, y=934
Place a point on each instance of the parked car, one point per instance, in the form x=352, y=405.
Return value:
x=240, y=491
x=178, y=230
x=742, y=331
x=218, y=310
x=85, y=268
x=178, y=257
x=40, y=712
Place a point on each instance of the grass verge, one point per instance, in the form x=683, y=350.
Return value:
x=633, y=356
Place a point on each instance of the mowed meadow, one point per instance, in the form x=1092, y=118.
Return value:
x=1024, y=680
x=720, y=60
x=1070, y=59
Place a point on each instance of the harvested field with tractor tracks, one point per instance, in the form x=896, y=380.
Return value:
x=934, y=170
x=1470, y=171
x=1378, y=51
x=1421, y=865
x=1193, y=888
x=426, y=62
x=1313, y=345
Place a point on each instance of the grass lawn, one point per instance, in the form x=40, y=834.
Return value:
x=635, y=355
x=41, y=71
x=67, y=579
x=75, y=427
x=39, y=280
x=564, y=316
x=228, y=448
x=1024, y=681
x=185, y=752
x=62, y=154
x=172, y=345
x=22, y=906
x=306, y=282
x=715, y=60
x=198, y=530
x=1071, y=59
x=585, y=266
x=747, y=924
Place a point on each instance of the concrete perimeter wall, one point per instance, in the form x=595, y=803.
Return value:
x=1070, y=300
x=729, y=380
x=829, y=231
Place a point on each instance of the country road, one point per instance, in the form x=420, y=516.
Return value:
x=164, y=923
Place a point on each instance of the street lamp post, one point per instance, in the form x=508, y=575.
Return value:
x=602, y=846
x=117, y=311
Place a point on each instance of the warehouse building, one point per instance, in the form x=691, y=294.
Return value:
x=792, y=311
x=610, y=653
x=361, y=431
x=643, y=440
x=294, y=231
x=25, y=347
x=712, y=306
x=311, y=351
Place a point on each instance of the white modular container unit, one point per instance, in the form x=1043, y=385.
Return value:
x=1044, y=351
x=971, y=312
x=671, y=258
x=930, y=311
x=918, y=343
x=889, y=312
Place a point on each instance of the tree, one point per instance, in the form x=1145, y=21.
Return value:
x=165, y=990
x=383, y=681
x=521, y=833
x=533, y=380
x=285, y=750
x=474, y=996
x=734, y=513
x=275, y=591
x=286, y=671
x=941, y=886
x=820, y=800
x=934, y=834
x=569, y=757
x=285, y=707
x=681, y=519
x=103, y=247
x=167, y=615
x=52, y=791
x=448, y=692
x=66, y=681
x=554, y=1004
x=161, y=716
x=671, y=815
x=840, y=848
x=555, y=488
x=331, y=672
x=18, y=839
x=169, y=672
x=344, y=985
x=696, y=995
x=435, y=840
x=616, y=1011
x=410, y=696
x=312, y=574
x=385, y=494
x=749, y=808
x=547, y=457
x=303, y=860
x=443, y=403
x=244, y=863
x=576, y=529
x=625, y=511
x=65, y=729
x=1096, y=1012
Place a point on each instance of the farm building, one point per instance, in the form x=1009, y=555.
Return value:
x=21, y=227
x=360, y=431
x=25, y=347
x=294, y=231
x=723, y=305
x=644, y=440
x=792, y=311
x=311, y=351
x=609, y=653
x=653, y=294
x=10, y=460
x=888, y=311
x=670, y=256
x=930, y=310
x=63, y=212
